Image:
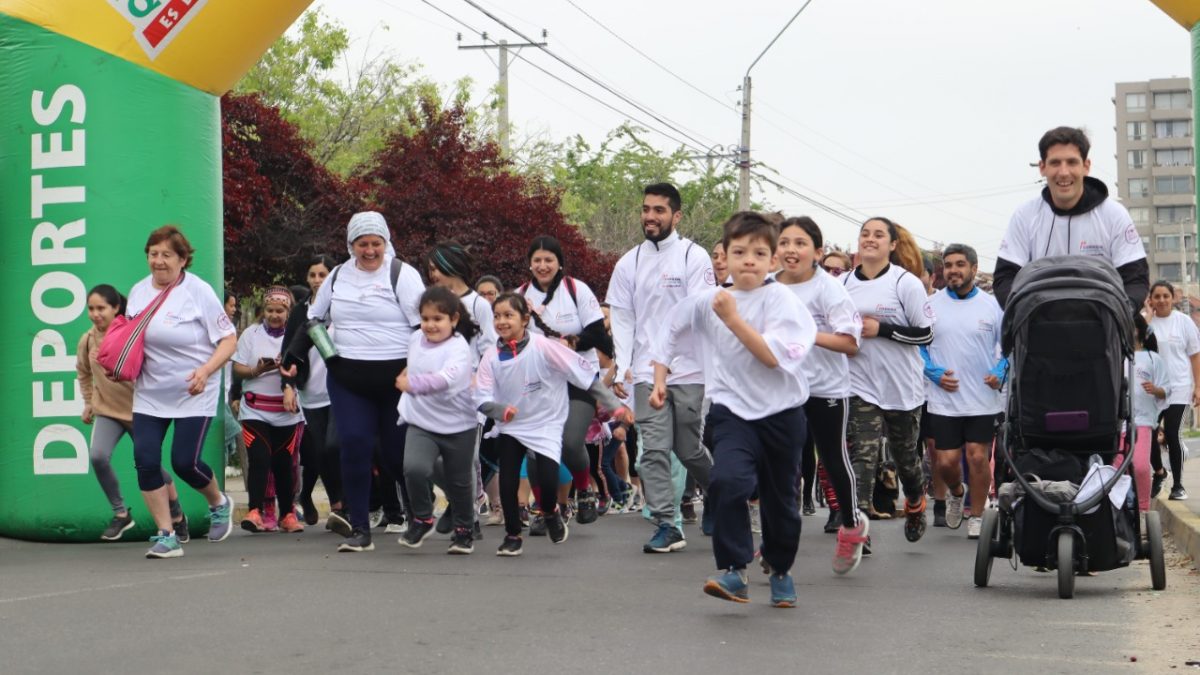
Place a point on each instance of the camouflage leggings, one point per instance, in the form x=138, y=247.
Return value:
x=864, y=433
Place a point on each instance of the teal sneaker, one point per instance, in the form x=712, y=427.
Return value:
x=221, y=518
x=166, y=545
x=730, y=586
x=783, y=592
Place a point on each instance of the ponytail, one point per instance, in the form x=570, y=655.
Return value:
x=907, y=254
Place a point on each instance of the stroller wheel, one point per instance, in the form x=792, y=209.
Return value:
x=1066, y=564
x=1158, y=565
x=983, y=548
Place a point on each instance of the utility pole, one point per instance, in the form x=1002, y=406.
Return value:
x=502, y=87
x=1183, y=267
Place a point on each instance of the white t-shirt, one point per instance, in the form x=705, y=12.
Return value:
x=885, y=372
x=448, y=411
x=315, y=393
x=181, y=337
x=832, y=311
x=734, y=377
x=1148, y=367
x=534, y=382
x=1177, y=341
x=967, y=342
x=255, y=344
x=565, y=315
x=372, y=322
x=1107, y=231
x=481, y=313
x=649, y=281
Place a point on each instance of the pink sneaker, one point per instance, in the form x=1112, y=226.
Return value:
x=269, y=519
x=850, y=542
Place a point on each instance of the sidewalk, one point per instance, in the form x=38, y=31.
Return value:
x=1182, y=519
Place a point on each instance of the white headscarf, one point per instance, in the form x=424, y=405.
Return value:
x=369, y=222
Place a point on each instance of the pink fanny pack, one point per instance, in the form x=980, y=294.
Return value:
x=264, y=402
x=123, y=349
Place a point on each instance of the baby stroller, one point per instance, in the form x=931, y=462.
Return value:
x=1068, y=333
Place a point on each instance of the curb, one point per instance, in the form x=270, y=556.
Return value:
x=1183, y=525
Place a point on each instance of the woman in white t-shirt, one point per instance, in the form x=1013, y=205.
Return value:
x=187, y=341
x=1179, y=346
x=521, y=383
x=566, y=308
x=886, y=384
x=271, y=424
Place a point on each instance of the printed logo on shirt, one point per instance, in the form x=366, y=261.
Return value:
x=223, y=322
x=669, y=280
x=888, y=310
x=1090, y=249
x=1131, y=234
x=583, y=363
x=986, y=326
x=928, y=309
x=795, y=351
x=709, y=277
x=171, y=318
x=530, y=387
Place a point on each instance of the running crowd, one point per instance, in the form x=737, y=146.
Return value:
x=757, y=380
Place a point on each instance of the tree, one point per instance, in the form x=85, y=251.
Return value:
x=444, y=182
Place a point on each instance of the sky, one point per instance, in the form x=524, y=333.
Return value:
x=924, y=111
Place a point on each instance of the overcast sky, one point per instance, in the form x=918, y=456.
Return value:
x=926, y=111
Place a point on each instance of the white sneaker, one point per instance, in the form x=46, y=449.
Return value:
x=495, y=517
x=954, y=508
x=755, y=519
x=396, y=528
x=974, y=525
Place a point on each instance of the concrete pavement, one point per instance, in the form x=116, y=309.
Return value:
x=1182, y=518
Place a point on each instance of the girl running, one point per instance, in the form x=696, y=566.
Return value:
x=1179, y=345
x=521, y=383
x=1149, y=395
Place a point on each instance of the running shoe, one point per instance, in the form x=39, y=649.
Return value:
x=291, y=524
x=939, y=513
x=375, y=519
x=731, y=585
x=687, y=509
x=481, y=505
x=182, y=533
x=311, y=516
x=495, y=517
x=118, y=527
x=602, y=505
x=974, y=526
x=637, y=502
x=867, y=546
x=461, y=542
x=445, y=522
x=270, y=523
x=357, y=542
x=339, y=523
x=666, y=538
x=166, y=545
x=253, y=522
x=809, y=508
x=395, y=528
x=1178, y=494
x=556, y=527
x=954, y=508
x=783, y=591
x=418, y=531
x=588, y=513
x=835, y=520
x=567, y=511
x=510, y=547
x=914, y=520
x=850, y=543
x=537, y=524
x=525, y=516
x=1156, y=482
x=219, y=518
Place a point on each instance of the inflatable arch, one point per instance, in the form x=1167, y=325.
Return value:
x=109, y=127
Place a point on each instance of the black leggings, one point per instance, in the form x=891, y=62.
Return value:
x=1171, y=419
x=827, y=432
x=511, y=453
x=269, y=450
x=808, y=467
x=319, y=456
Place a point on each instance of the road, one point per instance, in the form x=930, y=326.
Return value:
x=274, y=603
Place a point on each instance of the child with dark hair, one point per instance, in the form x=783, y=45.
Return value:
x=1150, y=394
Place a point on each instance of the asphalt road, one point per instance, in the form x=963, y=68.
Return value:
x=274, y=603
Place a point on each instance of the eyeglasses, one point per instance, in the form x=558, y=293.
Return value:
x=835, y=271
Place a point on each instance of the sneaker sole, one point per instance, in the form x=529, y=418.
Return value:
x=509, y=554
x=347, y=548
x=718, y=591
x=250, y=527
x=339, y=526
x=677, y=546
x=784, y=604
x=459, y=550
x=118, y=535
x=566, y=533
x=174, y=553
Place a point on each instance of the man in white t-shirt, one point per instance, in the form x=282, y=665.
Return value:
x=646, y=285
x=1072, y=216
x=965, y=372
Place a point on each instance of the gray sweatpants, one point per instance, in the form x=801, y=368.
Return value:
x=676, y=427
x=106, y=432
x=457, y=451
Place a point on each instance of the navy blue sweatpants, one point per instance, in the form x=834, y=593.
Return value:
x=764, y=452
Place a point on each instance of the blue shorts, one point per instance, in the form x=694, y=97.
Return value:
x=564, y=476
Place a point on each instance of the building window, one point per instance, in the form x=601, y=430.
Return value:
x=1140, y=215
x=1172, y=100
x=1137, y=159
x=1138, y=187
x=1170, y=242
x=1135, y=103
x=1145, y=241
x=1172, y=185
x=1173, y=215
x=1170, y=271
x=1136, y=130
x=1173, y=157
x=1173, y=129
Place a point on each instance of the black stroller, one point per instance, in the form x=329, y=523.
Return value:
x=1068, y=333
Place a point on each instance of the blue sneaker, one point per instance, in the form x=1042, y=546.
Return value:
x=731, y=586
x=783, y=592
x=166, y=545
x=220, y=518
x=666, y=538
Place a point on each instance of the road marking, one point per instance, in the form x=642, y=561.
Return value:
x=109, y=587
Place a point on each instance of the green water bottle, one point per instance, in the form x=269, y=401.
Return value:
x=321, y=340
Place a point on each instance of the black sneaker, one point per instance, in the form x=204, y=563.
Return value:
x=445, y=523
x=1178, y=493
x=181, y=530
x=339, y=523
x=117, y=527
x=867, y=546
x=914, y=520
x=525, y=517
x=537, y=524
x=834, y=522
x=416, y=534
x=1156, y=482
x=810, y=509
x=461, y=542
x=357, y=542
x=556, y=527
x=511, y=546
x=310, y=510
x=939, y=513
x=687, y=510
x=587, y=512
x=477, y=531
